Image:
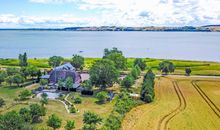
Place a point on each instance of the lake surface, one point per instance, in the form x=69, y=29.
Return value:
x=169, y=45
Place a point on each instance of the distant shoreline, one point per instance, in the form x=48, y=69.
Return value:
x=207, y=28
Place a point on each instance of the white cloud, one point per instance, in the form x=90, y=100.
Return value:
x=128, y=13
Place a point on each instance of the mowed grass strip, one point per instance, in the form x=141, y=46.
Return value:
x=197, y=115
x=147, y=117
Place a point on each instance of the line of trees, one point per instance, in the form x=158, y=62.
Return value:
x=147, y=90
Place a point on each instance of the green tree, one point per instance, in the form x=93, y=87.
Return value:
x=69, y=82
x=188, y=71
x=43, y=82
x=134, y=73
x=87, y=85
x=12, y=71
x=128, y=81
x=103, y=72
x=109, y=51
x=24, y=94
x=23, y=59
x=32, y=70
x=90, y=120
x=11, y=121
x=9, y=80
x=70, y=125
x=77, y=100
x=2, y=102
x=102, y=96
x=77, y=61
x=36, y=112
x=55, y=61
x=44, y=99
x=61, y=83
x=54, y=122
x=18, y=79
x=139, y=62
x=113, y=122
x=119, y=60
x=166, y=67
x=25, y=114
x=3, y=76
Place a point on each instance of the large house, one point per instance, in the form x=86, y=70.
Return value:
x=62, y=72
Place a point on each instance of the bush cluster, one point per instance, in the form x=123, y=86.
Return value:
x=129, y=80
x=147, y=90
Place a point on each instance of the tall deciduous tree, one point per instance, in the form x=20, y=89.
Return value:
x=109, y=51
x=119, y=60
x=23, y=59
x=166, y=67
x=77, y=61
x=55, y=61
x=18, y=79
x=36, y=112
x=103, y=72
x=69, y=82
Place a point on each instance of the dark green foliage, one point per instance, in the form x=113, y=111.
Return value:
x=70, y=125
x=166, y=67
x=128, y=81
x=134, y=73
x=24, y=94
x=25, y=114
x=43, y=82
x=44, y=99
x=32, y=70
x=23, y=59
x=103, y=72
x=119, y=60
x=11, y=121
x=87, y=85
x=91, y=118
x=2, y=102
x=12, y=71
x=54, y=122
x=114, y=50
x=139, y=62
x=188, y=71
x=72, y=109
x=77, y=100
x=138, y=69
x=113, y=122
x=124, y=103
x=102, y=96
x=147, y=90
x=36, y=112
x=9, y=80
x=69, y=82
x=3, y=76
x=77, y=61
x=18, y=79
x=55, y=61
x=89, y=127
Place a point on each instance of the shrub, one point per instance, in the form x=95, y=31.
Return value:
x=54, y=121
x=24, y=94
x=77, y=100
x=70, y=125
x=72, y=109
x=128, y=81
x=139, y=62
x=102, y=96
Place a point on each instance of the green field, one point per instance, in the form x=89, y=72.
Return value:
x=198, y=67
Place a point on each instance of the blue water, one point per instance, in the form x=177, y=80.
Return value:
x=169, y=45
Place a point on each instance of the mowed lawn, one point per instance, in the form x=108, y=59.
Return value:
x=197, y=115
x=56, y=107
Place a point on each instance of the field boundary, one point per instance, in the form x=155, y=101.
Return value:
x=164, y=121
x=210, y=103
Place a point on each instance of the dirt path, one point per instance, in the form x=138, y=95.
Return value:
x=210, y=103
x=163, y=123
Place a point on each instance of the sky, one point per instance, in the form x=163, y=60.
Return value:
x=133, y=13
